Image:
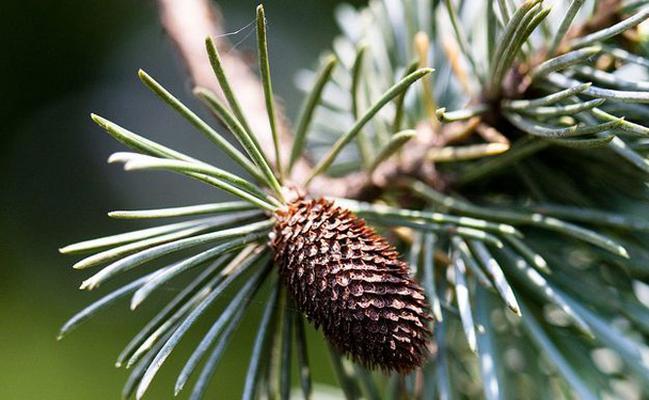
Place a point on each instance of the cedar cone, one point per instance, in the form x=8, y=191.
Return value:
x=348, y=280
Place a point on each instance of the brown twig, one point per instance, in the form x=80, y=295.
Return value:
x=189, y=22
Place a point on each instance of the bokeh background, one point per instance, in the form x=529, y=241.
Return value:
x=60, y=61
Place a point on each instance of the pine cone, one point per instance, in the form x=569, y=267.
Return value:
x=348, y=280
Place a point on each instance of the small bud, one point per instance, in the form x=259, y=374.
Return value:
x=348, y=280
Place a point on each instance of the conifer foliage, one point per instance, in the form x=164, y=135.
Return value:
x=498, y=151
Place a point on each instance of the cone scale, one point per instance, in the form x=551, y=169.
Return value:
x=349, y=281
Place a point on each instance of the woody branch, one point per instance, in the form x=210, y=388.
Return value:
x=189, y=22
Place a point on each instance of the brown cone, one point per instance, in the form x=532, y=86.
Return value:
x=348, y=280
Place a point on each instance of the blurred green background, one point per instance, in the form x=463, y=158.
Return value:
x=61, y=61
